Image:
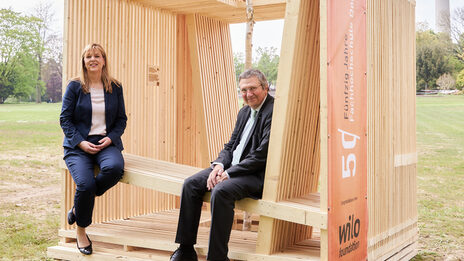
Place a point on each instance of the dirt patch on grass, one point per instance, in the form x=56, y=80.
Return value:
x=29, y=186
x=30, y=197
x=25, y=194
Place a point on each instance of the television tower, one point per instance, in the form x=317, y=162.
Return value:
x=442, y=16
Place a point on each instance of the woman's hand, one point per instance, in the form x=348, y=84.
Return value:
x=89, y=147
x=105, y=142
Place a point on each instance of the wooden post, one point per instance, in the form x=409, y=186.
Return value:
x=323, y=126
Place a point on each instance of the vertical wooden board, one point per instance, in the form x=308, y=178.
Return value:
x=323, y=188
x=267, y=226
x=391, y=82
x=208, y=59
x=191, y=131
x=196, y=79
x=293, y=158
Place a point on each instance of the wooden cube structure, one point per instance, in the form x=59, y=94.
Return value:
x=175, y=61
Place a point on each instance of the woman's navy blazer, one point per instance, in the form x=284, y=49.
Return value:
x=76, y=115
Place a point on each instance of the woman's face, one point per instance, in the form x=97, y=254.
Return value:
x=93, y=61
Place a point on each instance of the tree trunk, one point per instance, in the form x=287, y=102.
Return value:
x=249, y=35
x=38, y=92
x=248, y=63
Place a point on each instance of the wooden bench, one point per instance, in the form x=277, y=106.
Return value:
x=168, y=177
x=152, y=235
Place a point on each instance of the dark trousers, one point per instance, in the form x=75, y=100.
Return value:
x=81, y=166
x=223, y=197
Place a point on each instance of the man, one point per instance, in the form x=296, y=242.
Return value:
x=238, y=172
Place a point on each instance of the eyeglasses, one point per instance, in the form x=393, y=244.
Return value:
x=251, y=89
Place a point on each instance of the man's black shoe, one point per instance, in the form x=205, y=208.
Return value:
x=182, y=254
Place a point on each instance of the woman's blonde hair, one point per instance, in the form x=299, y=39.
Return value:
x=105, y=76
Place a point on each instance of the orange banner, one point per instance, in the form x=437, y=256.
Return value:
x=347, y=127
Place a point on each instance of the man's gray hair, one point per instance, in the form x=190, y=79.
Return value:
x=255, y=73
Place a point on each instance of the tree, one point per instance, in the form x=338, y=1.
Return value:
x=460, y=80
x=24, y=76
x=6, y=88
x=17, y=42
x=457, y=34
x=46, y=37
x=433, y=52
x=239, y=65
x=446, y=82
x=268, y=63
x=52, y=75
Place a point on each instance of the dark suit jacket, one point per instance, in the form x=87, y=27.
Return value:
x=254, y=156
x=76, y=115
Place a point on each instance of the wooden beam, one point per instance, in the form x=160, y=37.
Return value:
x=283, y=210
x=230, y=11
x=323, y=188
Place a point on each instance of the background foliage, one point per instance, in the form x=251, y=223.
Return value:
x=440, y=55
x=266, y=60
x=30, y=56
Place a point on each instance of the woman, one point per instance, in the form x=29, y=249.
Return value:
x=93, y=118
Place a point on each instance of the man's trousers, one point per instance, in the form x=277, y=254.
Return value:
x=223, y=197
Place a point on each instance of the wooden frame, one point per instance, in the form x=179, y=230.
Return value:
x=189, y=43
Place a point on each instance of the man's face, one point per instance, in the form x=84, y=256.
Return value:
x=252, y=92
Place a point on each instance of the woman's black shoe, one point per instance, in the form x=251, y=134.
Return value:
x=85, y=250
x=71, y=216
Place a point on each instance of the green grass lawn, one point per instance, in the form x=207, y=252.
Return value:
x=30, y=148
x=440, y=176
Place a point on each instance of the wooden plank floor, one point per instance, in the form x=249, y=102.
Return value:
x=105, y=251
x=151, y=237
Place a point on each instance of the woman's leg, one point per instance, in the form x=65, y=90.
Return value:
x=111, y=165
x=81, y=167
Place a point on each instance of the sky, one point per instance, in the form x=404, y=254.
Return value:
x=425, y=10
x=265, y=34
x=27, y=7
